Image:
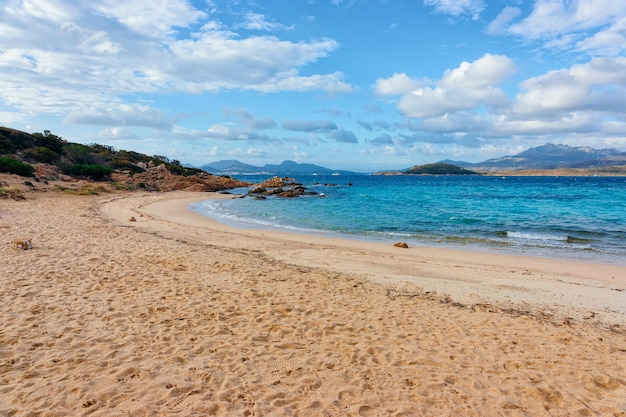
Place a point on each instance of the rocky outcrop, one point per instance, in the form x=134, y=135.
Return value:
x=282, y=187
x=51, y=172
x=159, y=178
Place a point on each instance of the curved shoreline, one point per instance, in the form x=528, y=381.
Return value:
x=564, y=288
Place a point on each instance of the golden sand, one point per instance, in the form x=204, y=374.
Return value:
x=174, y=314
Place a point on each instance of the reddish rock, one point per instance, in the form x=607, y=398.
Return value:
x=159, y=178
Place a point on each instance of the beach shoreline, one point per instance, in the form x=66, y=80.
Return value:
x=512, y=282
x=132, y=304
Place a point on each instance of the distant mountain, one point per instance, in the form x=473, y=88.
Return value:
x=550, y=156
x=229, y=166
x=284, y=168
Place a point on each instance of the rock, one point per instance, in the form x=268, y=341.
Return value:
x=281, y=187
x=401, y=245
x=24, y=244
x=132, y=219
x=278, y=182
x=159, y=178
x=258, y=190
x=289, y=194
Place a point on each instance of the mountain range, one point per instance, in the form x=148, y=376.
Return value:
x=545, y=157
x=549, y=156
x=232, y=166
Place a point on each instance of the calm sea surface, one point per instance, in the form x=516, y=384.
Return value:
x=580, y=218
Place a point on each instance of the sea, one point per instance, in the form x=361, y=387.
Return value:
x=577, y=218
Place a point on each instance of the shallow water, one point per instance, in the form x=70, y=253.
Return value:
x=581, y=218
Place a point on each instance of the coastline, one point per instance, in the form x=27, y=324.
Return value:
x=518, y=283
x=174, y=313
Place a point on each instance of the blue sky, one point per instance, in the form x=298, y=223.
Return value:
x=348, y=84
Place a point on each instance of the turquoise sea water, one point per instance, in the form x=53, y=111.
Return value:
x=580, y=218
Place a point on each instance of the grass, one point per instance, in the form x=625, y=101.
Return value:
x=11, y=193
x=87, y=190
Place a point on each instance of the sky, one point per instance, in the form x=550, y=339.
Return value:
x=362, y=85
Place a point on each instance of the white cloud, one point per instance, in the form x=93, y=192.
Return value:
x=599, y=85
x=500, y=23
x=396, y=85
x=233, y=133
x=152, y=18
x=117, y=133
x=558, y=16
x=607, y=42
x=457, y=7
x=562, y=23
x=119, y=115
x=216, y=60
x=257, y=21
x=56, y=11
x=469, y=86
x=98, y=52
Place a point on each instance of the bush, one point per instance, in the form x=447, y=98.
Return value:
x=181, y=170
x=95, y=172
x=41, y=154
x=15, y=166
x=119, y=163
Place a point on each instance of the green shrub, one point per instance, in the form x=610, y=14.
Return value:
x=15, y=166
x=41, y=154
x=121, y=163
x=95, y=172
x=184, y=171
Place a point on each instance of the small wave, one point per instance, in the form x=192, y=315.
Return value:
x=544, y=237
x=535, y=236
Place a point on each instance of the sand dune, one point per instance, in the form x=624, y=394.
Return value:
x=174, y=314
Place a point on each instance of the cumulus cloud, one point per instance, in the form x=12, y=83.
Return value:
x=599, y=85
x=59, y=56
x=469, y=86
x=457, y=7
x=395, y=85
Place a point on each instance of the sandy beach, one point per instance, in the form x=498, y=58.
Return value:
x=176, y=314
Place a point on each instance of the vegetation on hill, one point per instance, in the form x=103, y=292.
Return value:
x=90, y=161
x=439, y=169
x=29, y=154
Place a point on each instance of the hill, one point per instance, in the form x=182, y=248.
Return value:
x=439, y=169
x=48, y=157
